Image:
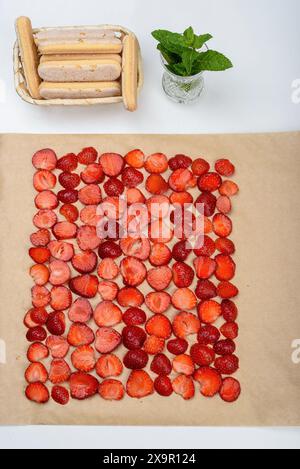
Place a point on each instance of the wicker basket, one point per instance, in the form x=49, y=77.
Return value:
x=20, y=82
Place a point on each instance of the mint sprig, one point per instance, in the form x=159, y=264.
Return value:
x=183, y=53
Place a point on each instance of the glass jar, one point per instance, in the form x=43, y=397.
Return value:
x=183, y=90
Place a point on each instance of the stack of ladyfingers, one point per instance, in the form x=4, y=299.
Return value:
x=74, y=63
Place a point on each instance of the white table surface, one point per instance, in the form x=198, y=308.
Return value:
x=262, y=38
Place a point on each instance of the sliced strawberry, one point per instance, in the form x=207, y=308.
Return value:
x=88, y=155
x=65, y=230
x=111, y=390
x=80, y=311
x=107, y=314
x=209, y=311
x=159, y=278
x=45, y=219
x=177, y=346
x=40, y=274
x=85, y=262
x=227, y=365
x=160, y=255
x=46, y=200
x=108, y=290
x=205, y=267
x=183, y=364
x=44, y=180
x=60, y=272
x=68, y=162
x=208, y=335
x=229, y=310
x=114, y=187
x=112, y=164
x=227, y=290
x=224, y=347
x=139, y=384
x=69, y=180
x=61, y=250
x=60, y=395
x=210, y=381
x=181, y=198
x=184, y=386
x=133, y=337
x=109, y=366
x=209, y=202
x=163, y=386
x=61, y=298
x=45, y=159
x=36, y=373
x=229, y=188
x=225, y=167
x=134, y=317
x=226, y=267
x=41, y=238
x=156, y=184
x=209, y=182
x=183, y=275
x=161, y=231
x=90, y=195
x=108, y=269
x=180, y=162
x=136, y=359
x=109, y=249
x=200, y=167
x=222, y=225
x=184, y=299
x=135, y=158
x=158, y=302
x=185, y=324
x=56, y=323
x=230, y=330
x=37, y=352
x=159, y=326
x=28, y=322
x=133, y=271
x=87, y=238
x=181, y=180
x=68, y=196
x=80, y=334
x=89, y=215
x=131, y=177
x=39, y=255
x=83, y=385
x=107, y=340
x=70, y=212
x=225, y=246
x=83, y=358
x=206, y=290
x=36, y=334
x=134, y=196
x=224, y=204
x=230, y=390
x=58, y=346
x=37, y=392
x=136, y=247
x=39, y=316
x=60, y=371
x=130, y=297
x=154, y=345
x=85, y=286
x=181, y=251
x=156, y=163
x=93, y=174
x=40, y=296
x=202, y=355
x=161, y=365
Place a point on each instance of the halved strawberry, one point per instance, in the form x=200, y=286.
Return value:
x=225, y=167
x=85, y=286
x=45, y=219
x=160, y=255
x=61, y=250
x=139, y=384
x=222, y=225
x=111, y=390
x=159, y=326
x=93, y=174
x=209, y=311
x=90, y=195
x=68, y=162
x=36, y=334
x=209, y=202
x=161, y=231
x=183, y=364
x=83, y=358
x=227, y=365
x=107, y=340
x=133, y=271
x=88, y=155
x=46, y=200
x=60, y=395
x=154, y=345
x=37, y=392
x=56, y=323
x=61, y=298
x=136, y=359
x=229, y=310
x=185, y=324
x=156, y=163
x=60, y=371
x=202, y=355
x=134, y=317
x=108, y=269
x=184, y=299
x=68, y=196
x=80, y=334
x=65, y=230
x=131, y=177
x=163, y=386
x=179, y=162
x=229, y=188
x=205, y=267
x=184, y=386
x=181, y=180
x=227, y=290
x=210, y=381
x=133, y=337
x=200, y=167
x=36, y=373
x=130, y=297
x=80, y=311
x=225, y=246
x=134, y=196
x=70, y=212
x=107, y=314
x=28, y=322
x=41, y=238
x=136, y=247
x=181, y=198
x=87, y=238
x=230, y=390
x=45, y=159
x=208, y=335
x=156, y=184
x=177, y=346
x=159, y=278
x=158, y=302
x=109, y=249
x=69, y=180
x=109, y=366
x=112, y=164
x=60, y=272
x=207, y=247
x=107, y=290
x=85, y=262
x=183, y=275
x=58, y=346
x=161, y=365
x=40, y=274
x=206, y=290
x=135, y=158
x=224, y=204
x=39, y=316
x=40, y=296
x=39, y=255
x=225, y=270
x=37, y=352
x=230, y=330
x=209, y=182
x=83, y=385
x=44, y=180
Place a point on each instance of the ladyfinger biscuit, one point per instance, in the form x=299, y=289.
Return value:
x=79, y=90
x=73, y=33
x=130, y=72
x=105, y=46
x=65, y=57
x=29, y=55
x=80, y=71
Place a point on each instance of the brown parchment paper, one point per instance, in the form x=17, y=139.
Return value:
x=266, y=220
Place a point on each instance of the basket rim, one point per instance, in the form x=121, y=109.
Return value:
x=25, y=96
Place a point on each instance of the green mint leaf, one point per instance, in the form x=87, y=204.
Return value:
x=178, y=69
x=189, y=57
x=168, y=56
x=189, y=36
x=173, y=42
x=212, y=61
x=199, y=41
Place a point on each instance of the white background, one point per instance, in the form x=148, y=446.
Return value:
x=262, y=38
